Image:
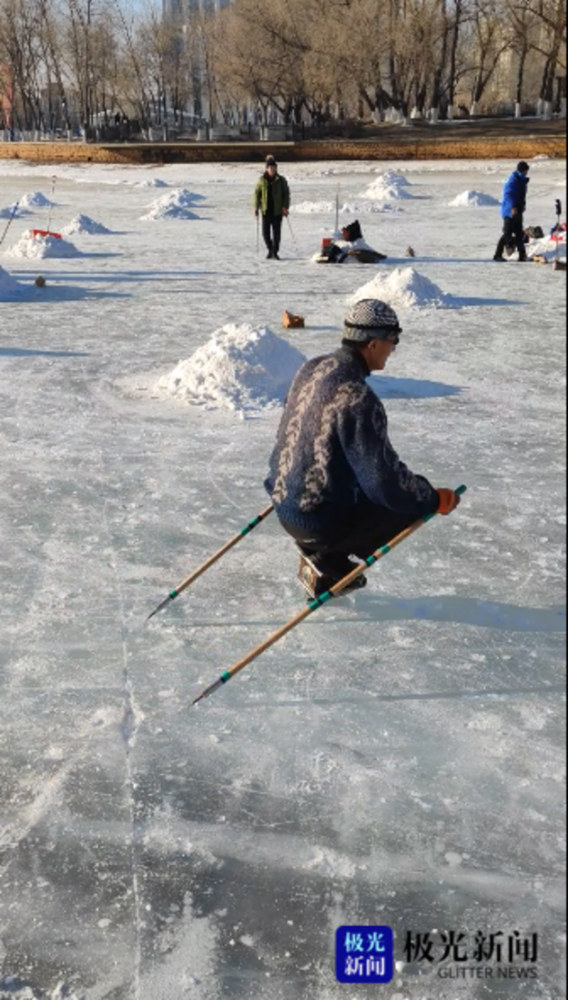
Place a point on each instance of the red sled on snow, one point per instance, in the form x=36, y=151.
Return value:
x=45, y=232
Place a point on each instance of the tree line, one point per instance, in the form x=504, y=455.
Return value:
x=90, y=64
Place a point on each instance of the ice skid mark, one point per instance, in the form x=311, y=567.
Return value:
x=132, y=718
x=327, y=862
x=187, y=964
x=10, y=837
x=51, y=790
x=131, y=721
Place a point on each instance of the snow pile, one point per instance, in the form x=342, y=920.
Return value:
x=368, y=207
x=10, y=289
x=399, y=180
x=240, y=367
x=42, y=246
x=315, y=207
x=35, y=200
x=153, y=182
x=473, y=199
x=403, y=288
x=7, y=213
x=388, y=187
x=82, y=224
x=348, y=208
x=175, y=205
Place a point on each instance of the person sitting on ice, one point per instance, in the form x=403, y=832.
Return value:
x=337, y=484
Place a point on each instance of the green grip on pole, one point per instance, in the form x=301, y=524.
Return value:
x=318, y=601
x=252, y=524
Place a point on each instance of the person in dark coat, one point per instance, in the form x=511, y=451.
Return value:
x=272, y=199
x=513, y=205
x=337, y=484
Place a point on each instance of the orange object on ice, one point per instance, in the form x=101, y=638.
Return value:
x=288, y=319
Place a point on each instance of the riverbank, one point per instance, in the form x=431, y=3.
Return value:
x=475, y=140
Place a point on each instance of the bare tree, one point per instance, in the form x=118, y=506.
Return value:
x=488, y=45
x=551, y=43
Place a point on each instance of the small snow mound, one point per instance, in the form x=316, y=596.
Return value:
x=403, y=288
x=35, y=200
x=348, y=208
x=314, y=207
x=474, y=199
x=10, y=289
x=241, y=367
x=398, y=179
x=152, y=182
x=168, y=212
x=388, y=187
x=8, y=213
x=174, y=205
x=179, y=196
x=42, y=246
x=82, y=224
x=367, y=208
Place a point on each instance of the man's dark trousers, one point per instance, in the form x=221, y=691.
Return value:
x=512, y=236
x=368, y=529
x=271, y=231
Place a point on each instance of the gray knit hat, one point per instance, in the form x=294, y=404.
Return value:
x=370, y=319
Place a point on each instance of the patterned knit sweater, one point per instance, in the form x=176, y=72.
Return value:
x=333, y=447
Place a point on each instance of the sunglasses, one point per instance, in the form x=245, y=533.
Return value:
x=393, y=338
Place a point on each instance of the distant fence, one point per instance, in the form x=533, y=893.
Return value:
x=132, y=131
x=220, y=133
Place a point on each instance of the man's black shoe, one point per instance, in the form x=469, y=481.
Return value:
x=496, y=257
x=270, y=255
x=275, y=255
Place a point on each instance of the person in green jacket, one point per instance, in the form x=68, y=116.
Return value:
x=272, y=199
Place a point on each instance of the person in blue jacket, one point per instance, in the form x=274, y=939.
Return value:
x=513, y=205
x=337, y=485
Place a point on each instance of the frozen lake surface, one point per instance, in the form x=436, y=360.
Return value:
x=398, y=759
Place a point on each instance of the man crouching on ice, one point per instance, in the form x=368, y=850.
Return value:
x=337, y=485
